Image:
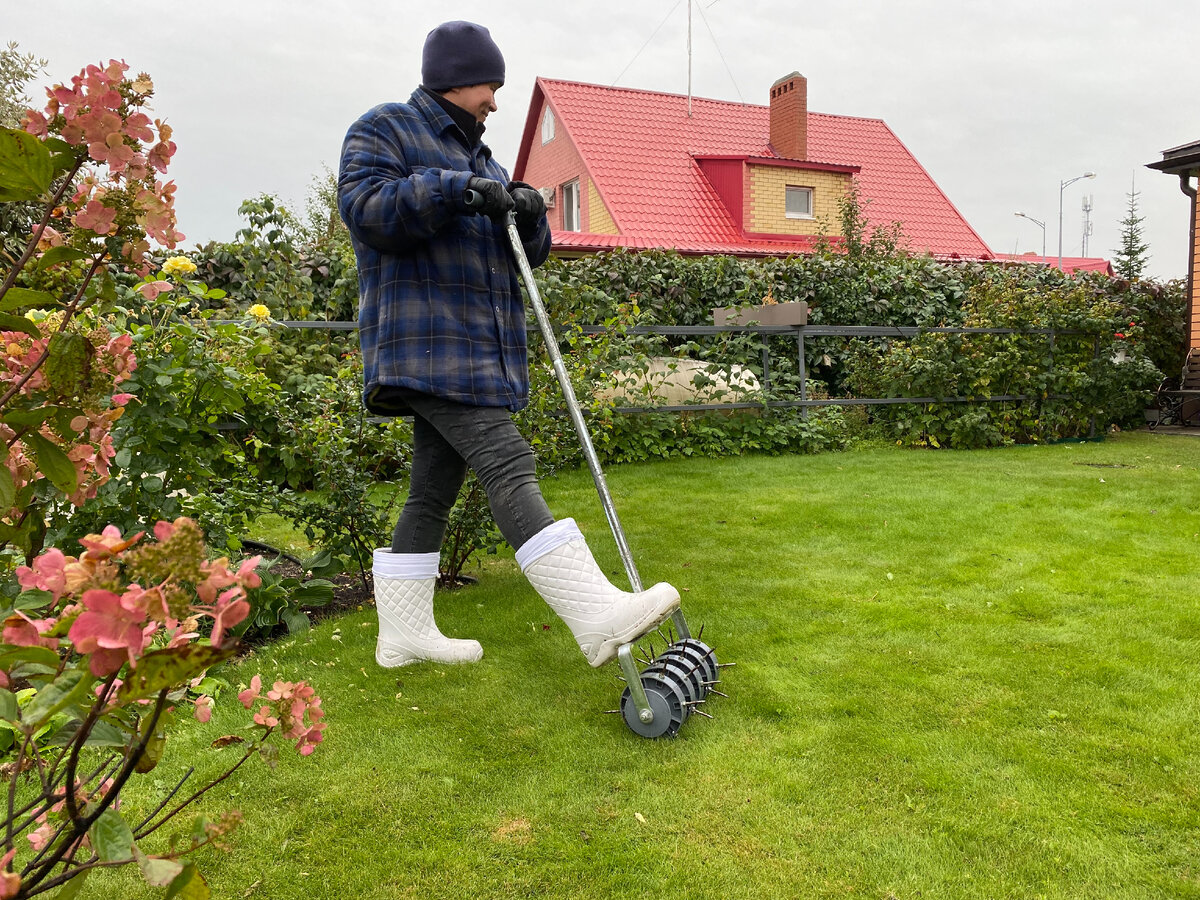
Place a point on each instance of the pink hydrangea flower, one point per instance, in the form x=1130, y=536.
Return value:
x=96, y=217
x=22, y=631
x=203, y=711
x=152, y=289
x=109, y=631
x=47, y=573
x=248, y=696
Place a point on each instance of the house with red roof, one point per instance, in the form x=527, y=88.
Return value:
x=642, y=169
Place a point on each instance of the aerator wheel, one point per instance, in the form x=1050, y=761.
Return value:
x=666, y=704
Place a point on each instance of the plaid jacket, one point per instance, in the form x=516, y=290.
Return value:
x=440, y=308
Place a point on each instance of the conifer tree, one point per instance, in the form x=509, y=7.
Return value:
x=1132, y=256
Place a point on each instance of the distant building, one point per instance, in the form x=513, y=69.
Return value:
x=632, y=168
x=1184, y=161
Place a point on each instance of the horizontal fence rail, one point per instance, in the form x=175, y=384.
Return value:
x=801, y=333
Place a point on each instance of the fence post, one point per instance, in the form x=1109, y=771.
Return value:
x=803, y=371
x=766, y=359
x=1096, y=357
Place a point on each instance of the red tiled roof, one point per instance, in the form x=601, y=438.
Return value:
x=639, y=148
x=1070, y=264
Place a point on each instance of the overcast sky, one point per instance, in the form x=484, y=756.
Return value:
x=1000, y=102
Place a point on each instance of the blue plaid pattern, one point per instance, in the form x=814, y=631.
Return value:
x=440, y=308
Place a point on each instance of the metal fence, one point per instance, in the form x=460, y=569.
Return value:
x=801, y=333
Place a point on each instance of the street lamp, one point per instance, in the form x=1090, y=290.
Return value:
x=1062, y=186
x=1042, y=225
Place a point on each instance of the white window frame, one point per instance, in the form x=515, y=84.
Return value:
x=548, y=125
x=793, y=190
x=571, y=217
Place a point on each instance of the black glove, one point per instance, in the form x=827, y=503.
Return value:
x=530, y=205
x=489, y=199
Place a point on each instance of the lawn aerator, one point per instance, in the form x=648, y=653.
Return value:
x=674, y=684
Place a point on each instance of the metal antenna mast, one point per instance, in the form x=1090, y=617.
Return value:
x=689, y=59
x=1087, y=222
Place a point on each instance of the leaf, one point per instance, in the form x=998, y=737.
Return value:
x=67, y=688
x=169, y=668
x=52, y=462
x=19, y=298
x=8, y=489
x=28, y=418
x=227, y=740
x=316, y=592
x=18, y=323
x=69, y=362
x=33, y=599
x=56, y=255
x=188, y=885
x=72, y=887
x=157, y=872
x=26, y=167
x=8, y=706
x=16, y=655
x=111, y=837
x=295, y=620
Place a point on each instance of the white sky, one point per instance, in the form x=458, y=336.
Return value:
x=999, y=101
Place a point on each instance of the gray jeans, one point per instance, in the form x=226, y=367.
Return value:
x=449, y=438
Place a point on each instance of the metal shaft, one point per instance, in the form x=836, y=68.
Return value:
x=564, y=380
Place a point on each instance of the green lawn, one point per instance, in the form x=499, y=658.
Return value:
x=958, y=675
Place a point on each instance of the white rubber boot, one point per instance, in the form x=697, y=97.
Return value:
x=561, y=568
x=404, y=601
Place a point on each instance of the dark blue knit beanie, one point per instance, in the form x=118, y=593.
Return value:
x=459, y=54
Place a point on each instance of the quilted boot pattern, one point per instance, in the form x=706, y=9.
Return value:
x=407, y=631
x=600, y=615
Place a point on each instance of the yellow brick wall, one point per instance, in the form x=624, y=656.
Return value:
x=1194, y=328
x=600, y=220
x=767, y=210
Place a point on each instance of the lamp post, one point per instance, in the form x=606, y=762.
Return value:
x=1062, y=186
x=1042, y=225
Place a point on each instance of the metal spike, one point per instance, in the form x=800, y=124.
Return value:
x=725, y=665
x=670, y=631
x=711, y=683
x=700, y=712
x=652, y=653
x=718, y=693
x=701, y=634
x=693, y=702
x=612, y=712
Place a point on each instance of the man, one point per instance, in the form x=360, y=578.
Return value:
x=442, y=330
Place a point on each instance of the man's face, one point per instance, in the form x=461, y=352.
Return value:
x=477, y=99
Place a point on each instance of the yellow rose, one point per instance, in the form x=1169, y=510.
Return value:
x=260, y=312
x=179, y=266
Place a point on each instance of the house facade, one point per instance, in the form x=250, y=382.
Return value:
x=1184, y=162
x=643, y=169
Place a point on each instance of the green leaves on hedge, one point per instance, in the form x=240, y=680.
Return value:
x=26, y=166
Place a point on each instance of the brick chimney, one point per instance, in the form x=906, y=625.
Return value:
x=789, y=116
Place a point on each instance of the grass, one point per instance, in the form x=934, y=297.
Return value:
x=959, y=675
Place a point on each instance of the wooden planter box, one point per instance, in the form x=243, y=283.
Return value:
x=794, y=312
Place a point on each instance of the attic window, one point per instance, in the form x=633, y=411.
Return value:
x=548, y=126
x=570, y=195
x=798, y=203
